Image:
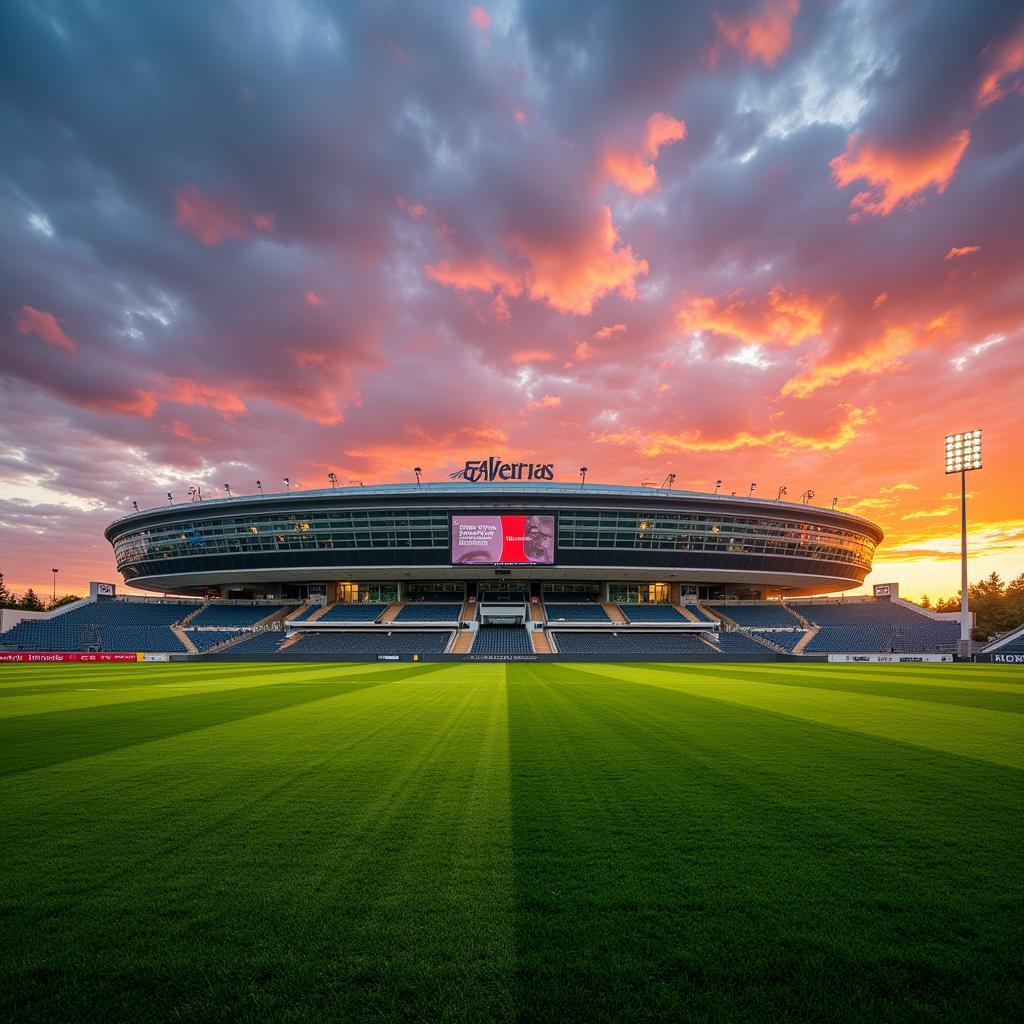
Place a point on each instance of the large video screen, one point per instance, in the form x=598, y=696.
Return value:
x=503, y=540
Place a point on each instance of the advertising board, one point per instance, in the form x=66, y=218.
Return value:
x=503, y=540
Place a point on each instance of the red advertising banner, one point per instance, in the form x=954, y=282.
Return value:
x=62, y=656
x=503, y=540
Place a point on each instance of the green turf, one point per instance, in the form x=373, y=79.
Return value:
x=522, y=842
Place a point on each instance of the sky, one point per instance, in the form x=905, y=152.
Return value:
x=762, y=241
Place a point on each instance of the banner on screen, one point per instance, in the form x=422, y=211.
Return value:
x=503, y=540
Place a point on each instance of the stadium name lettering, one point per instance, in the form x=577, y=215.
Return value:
x=491, y=469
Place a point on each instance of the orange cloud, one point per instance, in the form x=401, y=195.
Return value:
x=46, y=326
x=584, y=350
x=879, y=299
x=608, y=332
x=183, y=430
x=479, y=18
x=532, y=355
x=570, y=276
x=763, y=35
x=415, y=210
x=965, y=250
x=896, y=177
x=573, y=276
x=481, y=274
x=306, y=358
x=547, y=402
x=634, y=169
x=194, y=392
x=205, y=219
x=391, y=460
x=884, y=354
x=1002, y=63
x=662, y=443
x=783, y=318
x=142, y=403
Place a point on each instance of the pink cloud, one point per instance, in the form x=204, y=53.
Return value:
x=44, y=325
x=763, y=35
x=608, y=331
x=547, y=402
x=194, y=392
x=896, y=176
x=313, y=299
x=265, y=221
x=532, y=355
x=783, y=317
x=957, y=251
x=633, y=168
x=1002, y=63
x=210, y=221
x=181, y=429
x=479, y=18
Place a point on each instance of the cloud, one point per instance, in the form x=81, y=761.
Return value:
x=633, y=169
x=547, y=402
x=44, y=325
x=608, y=331
x=1002, y=62
x=479, y=18
x=193, y=392
x=210, y=221
x=896, y=176
x=531, y=355
x=570, y=275
x=763, y=35
x=312, y=299
x=783, y=317
x=955, y=252
x=660, y=442
x=181, y=429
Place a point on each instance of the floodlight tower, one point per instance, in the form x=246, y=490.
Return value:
x=963, y=454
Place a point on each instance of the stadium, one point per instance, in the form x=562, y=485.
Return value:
x=507, y=569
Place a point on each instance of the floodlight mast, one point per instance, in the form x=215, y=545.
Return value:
x=963, y=454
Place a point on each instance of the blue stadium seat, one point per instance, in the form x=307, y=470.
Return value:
x=906, y=631
x=735, y=642
x=228, y=616
x=630, y=642
x=575, y=611
x=502, y=640
x=758, y=616
x=351, y=612
x=429, y=611
x=651, y=613
x=785, y=638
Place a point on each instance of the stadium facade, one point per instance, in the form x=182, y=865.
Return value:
x=501, y=565
x=464, y=536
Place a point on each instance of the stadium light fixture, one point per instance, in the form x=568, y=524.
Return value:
x=170, y=498
x=669, y=481
x=782, y=491
x=718, y=483
x=963, y=455
x=583, y=476
x=419, y=472
x=753, y=487
x=835, y=501
x=227, y=487
x=333, y=478
x=259, y=487
x=806, y=496
x=287, y=483
x=135, y=505
x=54, y=599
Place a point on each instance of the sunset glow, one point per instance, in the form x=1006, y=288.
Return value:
x=755, y=240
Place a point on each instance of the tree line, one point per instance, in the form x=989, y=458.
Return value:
x=998, y=607
x=30, y=601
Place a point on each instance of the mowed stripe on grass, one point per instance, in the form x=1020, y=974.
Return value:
x=531, y=842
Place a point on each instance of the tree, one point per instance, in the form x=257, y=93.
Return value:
x=7, y=599
x=926, y=602
x=66, y=599
x=30, y=602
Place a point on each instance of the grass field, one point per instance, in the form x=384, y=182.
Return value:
x=523, y=842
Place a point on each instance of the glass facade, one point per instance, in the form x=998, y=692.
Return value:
x=696, y=531
x=766, y=539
